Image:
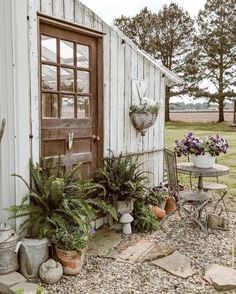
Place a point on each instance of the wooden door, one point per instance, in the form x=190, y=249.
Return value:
x=70, y=123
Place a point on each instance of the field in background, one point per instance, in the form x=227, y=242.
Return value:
x=198, y=116
x=177, y=130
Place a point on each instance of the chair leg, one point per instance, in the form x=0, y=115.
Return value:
x=190, y=215
x=222, y=200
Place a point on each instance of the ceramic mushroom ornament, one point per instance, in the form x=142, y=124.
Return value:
x=126, y=220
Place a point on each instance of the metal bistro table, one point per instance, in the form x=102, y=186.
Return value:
x=216, y=170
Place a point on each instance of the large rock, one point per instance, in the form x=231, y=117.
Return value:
x=176, y=264
x=103, y=242
x=135, y=253
x=158, y=251
x=9, y=280
x=221, y=277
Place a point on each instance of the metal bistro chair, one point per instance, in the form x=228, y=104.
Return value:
x=190, y=204
x=220, y=188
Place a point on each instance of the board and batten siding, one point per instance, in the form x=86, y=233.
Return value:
x=14, y=103
x=123, y=62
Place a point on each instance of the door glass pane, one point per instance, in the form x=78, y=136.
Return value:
x=66, y=52
x=82, y=56
x=67, y=106
x=49, y=105
x=49, y=48
x=83, y=104
x=67, y=79
x=83, y=82
x=49, y=77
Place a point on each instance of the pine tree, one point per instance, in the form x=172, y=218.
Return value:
x=168, y=36
x=216, y=52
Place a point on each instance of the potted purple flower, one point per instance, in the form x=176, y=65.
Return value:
x=202, y=151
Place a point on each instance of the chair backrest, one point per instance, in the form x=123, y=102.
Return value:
x=171, y=168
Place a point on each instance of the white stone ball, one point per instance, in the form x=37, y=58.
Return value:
x=51, y=271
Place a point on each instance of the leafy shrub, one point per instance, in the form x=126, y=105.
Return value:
x=144, y=220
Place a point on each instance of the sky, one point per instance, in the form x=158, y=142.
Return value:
x=109, y=9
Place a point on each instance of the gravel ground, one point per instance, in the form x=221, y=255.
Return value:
x=106, y=276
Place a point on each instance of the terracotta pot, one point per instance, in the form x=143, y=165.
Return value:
x=72, y=261
x=158, y=212
x=170, y=205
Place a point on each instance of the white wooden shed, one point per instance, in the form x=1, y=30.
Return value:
x=65, y=75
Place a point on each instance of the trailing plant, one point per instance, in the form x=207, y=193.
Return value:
x=144, y=220
x=145, y=105
x=73, y=238
x=121, y=179
x=156, y=195
x=54, y=201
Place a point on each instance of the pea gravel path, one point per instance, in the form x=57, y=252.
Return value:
x=106, y=276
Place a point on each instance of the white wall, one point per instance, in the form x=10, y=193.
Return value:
x=14, y=102
x=122, y=63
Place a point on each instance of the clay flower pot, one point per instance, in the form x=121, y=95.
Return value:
x=170, y=205
x=158, y=212
x=72, y=261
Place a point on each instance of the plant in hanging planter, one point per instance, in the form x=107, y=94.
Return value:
x=209, y=147
x=144, y=115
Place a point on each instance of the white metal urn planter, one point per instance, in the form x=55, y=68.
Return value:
x=203, y=161
x=143, y=120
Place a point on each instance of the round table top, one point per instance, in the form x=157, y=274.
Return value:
x=216, y=170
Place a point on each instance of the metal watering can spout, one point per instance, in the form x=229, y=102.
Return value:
x=24, y=260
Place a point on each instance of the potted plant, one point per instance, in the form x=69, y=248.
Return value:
x=54, y=201
x=122, y=181
x=202, y=151
x=71, y=245
x=144, y=115
x=156, y=199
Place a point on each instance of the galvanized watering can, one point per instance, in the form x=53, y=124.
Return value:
x=8, y=242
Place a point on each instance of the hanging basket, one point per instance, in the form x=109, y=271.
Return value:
x=203, y=161
x=142, y=121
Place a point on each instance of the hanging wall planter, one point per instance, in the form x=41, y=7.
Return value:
x=142, y=121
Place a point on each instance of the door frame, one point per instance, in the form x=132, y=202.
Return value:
x=100, y=79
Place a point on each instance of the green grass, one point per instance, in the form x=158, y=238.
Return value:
x=177, y=130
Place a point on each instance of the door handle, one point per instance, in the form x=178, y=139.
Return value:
x=96, y=138
x=2, y=128
x=70, y=140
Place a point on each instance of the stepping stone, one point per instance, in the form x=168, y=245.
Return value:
x=9, y=280
x=158, y=251
x=177, y=264
x=221, y=277
x=29, y=288
x=135, y=253
x=103, y=242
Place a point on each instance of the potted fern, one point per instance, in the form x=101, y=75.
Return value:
x=122, y=181
x=53, y=202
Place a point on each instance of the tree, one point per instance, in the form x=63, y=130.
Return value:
x=167, y=36
x=216, y=51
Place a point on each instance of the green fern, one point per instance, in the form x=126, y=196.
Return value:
x=53, y=203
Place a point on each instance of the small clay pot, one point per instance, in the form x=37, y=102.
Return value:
x=170, y=205
x=72, y=261
x=158, y=212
